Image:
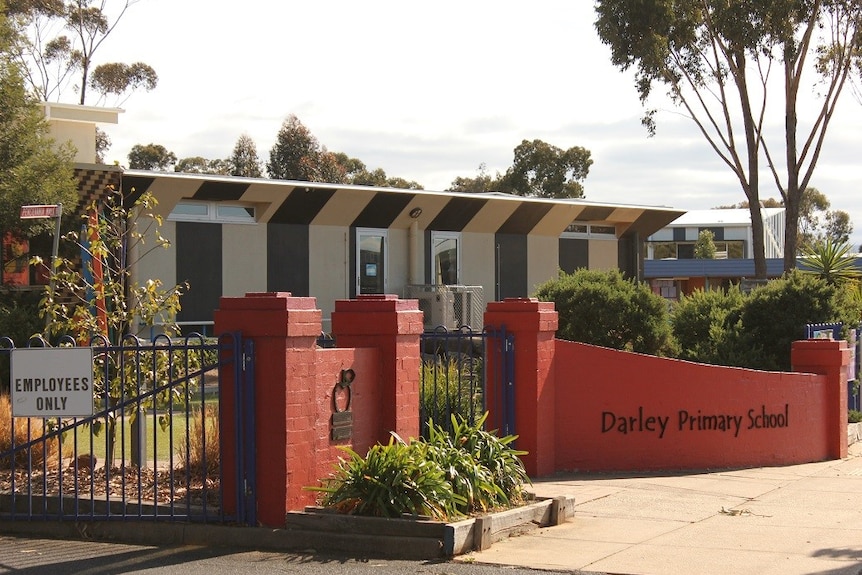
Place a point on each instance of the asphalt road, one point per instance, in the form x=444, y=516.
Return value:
x=55, y=557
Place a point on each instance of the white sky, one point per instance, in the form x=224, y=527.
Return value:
x=428, y=91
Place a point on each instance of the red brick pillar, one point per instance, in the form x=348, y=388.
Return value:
x=284, y=330
x=533, y=324
x=393, y=326
x=830, y=358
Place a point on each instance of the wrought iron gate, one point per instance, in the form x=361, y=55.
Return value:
x=152, y=448
x=466, y=373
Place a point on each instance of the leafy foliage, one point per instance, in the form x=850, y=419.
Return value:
x=55, y=61
x=454, y=473
x=775, y=315
x=389, y=481
x=708, y=329
x=715, y=59
x=704, y=247
x=483, y=469
x=34, y=170
x=830, y=261
x=244, y=160
x=604, y=308
x=151, y=157
x=448, y=387
x=542, y=170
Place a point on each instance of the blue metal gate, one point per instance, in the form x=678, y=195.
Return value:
x=151, y=449
x=464, y=370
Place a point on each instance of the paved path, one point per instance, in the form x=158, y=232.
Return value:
x=801, y=519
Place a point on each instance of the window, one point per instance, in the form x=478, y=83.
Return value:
x=581, y=230
x=192, y=211
x=445, y=258
x=371, y=256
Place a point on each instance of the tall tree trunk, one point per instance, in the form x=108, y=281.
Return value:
x=792, y=195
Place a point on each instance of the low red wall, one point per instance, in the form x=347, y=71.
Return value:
x=297, y=391
x=625, y=411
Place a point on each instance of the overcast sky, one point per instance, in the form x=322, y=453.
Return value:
x=428, y=91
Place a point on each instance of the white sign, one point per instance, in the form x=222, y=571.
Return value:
x=39, y=211
x=52, y=382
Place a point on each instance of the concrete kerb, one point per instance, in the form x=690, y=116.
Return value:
x=259, y=538
x=333, y=533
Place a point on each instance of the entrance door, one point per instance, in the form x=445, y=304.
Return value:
x=371, y=256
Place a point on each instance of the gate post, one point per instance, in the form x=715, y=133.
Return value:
x=393, y=326
x=284, y=330
x=830, y=358
x=534, y=325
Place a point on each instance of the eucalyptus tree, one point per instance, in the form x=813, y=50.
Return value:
x=58, y=44
x=718, y=60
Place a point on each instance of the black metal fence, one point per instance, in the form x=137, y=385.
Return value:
x=833, y=330
x=456, y=376
x=150, y=449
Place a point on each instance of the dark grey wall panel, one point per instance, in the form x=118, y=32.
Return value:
x=288, y=252
x=219, y=190
x=524, y=218
x=199, y=262
x=301, y=206
x=456, y=214
x=382, y=210
x=511, y=264
x=574, y=254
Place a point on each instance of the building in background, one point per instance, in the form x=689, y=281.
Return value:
x=672, y=270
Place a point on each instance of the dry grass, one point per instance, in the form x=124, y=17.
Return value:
x=24, y=430
x=201, y=457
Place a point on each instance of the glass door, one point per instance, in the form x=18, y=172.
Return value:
x=371, y=261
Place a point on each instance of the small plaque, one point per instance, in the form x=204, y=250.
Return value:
x=342, y=425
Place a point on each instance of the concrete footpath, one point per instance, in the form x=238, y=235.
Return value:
x=800, y=519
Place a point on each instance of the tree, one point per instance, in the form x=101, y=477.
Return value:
x=704, y=247
x=52, y=59
x=244, y=160
x=296, y=154
x=483, y=182
x=201, y=165
x=716, y=57
x=834, y=226
x=151, y=157
x=604, y=308
x=545, y=171
x=34, y=170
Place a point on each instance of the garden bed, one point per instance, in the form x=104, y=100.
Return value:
x=418, y=538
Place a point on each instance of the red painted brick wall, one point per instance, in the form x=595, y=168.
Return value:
x=623, y=411
x=296, y=391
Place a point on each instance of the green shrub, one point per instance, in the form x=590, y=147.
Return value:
x=604, y=308
x=389, y=481
x=482, y=468
x=707, y=328
x=452, y=474
x=854, y=416
x=775, y=315
x=450, y=387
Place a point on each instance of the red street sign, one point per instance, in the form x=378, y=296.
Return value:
x=40, y=211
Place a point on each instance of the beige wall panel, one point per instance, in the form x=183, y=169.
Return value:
x=491, y=216
x=477, y=268
x=344, y=206
x=543, y=260
x=170, y=191
x=159, y=263
x=603, y=255
x=557, y=219
x=81, y=135
x=399, y=263
x=328, y=267
x=244, y=259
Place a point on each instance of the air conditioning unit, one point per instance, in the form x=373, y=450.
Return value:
x=468, y=306
x=436, y=302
